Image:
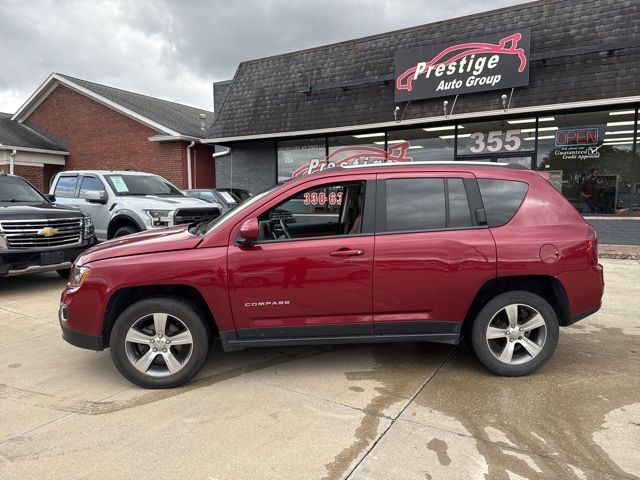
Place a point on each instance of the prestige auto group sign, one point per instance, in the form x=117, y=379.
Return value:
x=493, y=62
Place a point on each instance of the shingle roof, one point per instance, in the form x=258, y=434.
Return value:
x=266, y=95
x=16, y=134
x=175, y=116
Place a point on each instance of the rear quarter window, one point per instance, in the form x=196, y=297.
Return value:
x=501, y=199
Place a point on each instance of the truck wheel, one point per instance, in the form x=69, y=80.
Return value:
x=125, y=230
x=159, y=343
x=515, y=333
x=64, y=273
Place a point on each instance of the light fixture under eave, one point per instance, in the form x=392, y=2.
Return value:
x=618, y=143
x=622, y=112
x=413, y=147
x=617, y=124
x=523, y=120
x=619, y=132
x=540, y=129
x=390, y=142
x=441, y=128
x=369, y=135
x=618, y=139
x=542, y=137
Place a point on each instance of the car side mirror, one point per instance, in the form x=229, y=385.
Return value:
x=96, y=196
x=249, y=232
x=51, y=197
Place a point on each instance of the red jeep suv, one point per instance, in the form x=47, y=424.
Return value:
x=380, y=253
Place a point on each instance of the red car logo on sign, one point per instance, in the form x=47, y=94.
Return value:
x=507, y=46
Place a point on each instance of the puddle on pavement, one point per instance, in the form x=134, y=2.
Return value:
x=559, y=412
x=400, y=370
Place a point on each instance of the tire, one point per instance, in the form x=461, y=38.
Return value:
x=125, y=230
x=64, y=273
x=528, y=346
x=136, y=333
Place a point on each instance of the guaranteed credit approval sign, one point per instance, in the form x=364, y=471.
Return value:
x=492, y=62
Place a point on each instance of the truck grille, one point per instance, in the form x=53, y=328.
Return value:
x=190, y=215
x=42, y=233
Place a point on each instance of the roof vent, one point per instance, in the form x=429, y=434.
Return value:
x=203, y=117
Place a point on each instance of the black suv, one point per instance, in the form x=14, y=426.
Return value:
x=35, y=234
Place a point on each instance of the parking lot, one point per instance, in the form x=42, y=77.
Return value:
x=406, y=411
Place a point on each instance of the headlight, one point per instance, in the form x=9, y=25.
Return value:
x=88, y=227
x=78, y=275
x=159, y=218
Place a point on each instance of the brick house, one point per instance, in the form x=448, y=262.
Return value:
x=70, y=123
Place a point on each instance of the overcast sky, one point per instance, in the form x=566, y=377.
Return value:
x=175, y=49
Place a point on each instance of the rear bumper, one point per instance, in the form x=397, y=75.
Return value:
x=584, y=291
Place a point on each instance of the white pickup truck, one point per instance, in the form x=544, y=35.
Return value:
x=123, y=202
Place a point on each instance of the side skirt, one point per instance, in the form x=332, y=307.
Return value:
x=231, y=342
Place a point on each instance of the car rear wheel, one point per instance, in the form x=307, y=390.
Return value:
x=159, y=343
x=515, y=333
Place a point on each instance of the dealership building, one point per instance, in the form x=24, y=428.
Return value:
x=70, y=123
x=551, y=85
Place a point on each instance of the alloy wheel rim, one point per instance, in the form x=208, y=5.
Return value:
x=516, y=334
x=159, y=344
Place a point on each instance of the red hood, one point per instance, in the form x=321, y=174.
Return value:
x=151, y=241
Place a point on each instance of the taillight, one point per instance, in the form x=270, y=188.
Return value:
x=592, y=248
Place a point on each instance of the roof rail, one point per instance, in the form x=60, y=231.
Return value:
x=458, y=162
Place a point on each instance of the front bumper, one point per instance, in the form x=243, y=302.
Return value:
x=21, y=262
x=82, y=340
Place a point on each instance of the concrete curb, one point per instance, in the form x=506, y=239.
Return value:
x=621, y=252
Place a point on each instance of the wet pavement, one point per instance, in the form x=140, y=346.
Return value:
x=405, y=411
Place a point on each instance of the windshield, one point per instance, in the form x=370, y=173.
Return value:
x=124, y=185
x=238, y=210
x=14, y=189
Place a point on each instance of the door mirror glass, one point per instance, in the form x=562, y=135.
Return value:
x=249, y=232
x=50, y=197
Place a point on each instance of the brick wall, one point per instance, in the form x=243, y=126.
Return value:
x=33, y=174
x=98, y=137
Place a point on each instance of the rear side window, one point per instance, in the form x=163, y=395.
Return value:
x=501, y=199
x=415, y=204
x=66, y=187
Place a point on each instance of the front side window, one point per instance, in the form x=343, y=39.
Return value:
x=335, y=209
x=90, y=184
x=501, y=199
x=66, y=186
x=124, y=185
x=415, y=204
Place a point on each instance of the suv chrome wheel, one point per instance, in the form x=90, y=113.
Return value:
x=516, y=334
x=159, y=344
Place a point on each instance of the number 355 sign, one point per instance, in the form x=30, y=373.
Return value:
x=496, y=141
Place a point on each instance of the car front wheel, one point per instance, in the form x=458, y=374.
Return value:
x=159, y=343
x=515, y=333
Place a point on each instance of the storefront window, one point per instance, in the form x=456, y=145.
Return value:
x=357, y=149
x=429, y=144
x=589, y=156
x=295, y=155
x=512, y=140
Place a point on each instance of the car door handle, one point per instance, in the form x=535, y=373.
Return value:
x=346, y=252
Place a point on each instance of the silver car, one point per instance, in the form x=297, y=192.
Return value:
x=122, y=202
